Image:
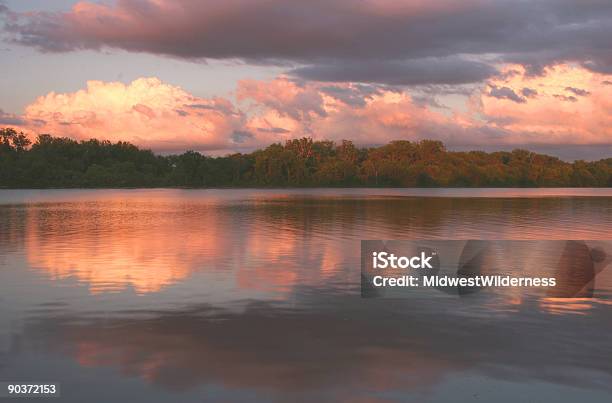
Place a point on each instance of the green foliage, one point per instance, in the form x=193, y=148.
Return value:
x=62, y=162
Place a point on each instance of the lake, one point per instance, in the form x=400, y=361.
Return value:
x=254, y=295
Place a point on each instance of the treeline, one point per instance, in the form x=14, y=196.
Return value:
x=62, y=162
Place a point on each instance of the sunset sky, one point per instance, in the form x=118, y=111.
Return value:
x=234, y=75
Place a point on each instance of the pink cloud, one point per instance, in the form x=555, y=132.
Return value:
x=146, y=112
x=331, y=111
x=564, y=105
x=567, y=105
x=150, y=113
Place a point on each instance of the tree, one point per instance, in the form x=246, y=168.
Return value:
x=63, y=162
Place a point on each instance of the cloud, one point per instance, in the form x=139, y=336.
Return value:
x=378, y=41
x=156, y=115
x=146, y=112
x=513, y=109
x=578, y=91
x=446, y=70
x=353, y=95
x=239, y=136
x=506, y=93
x=331, y=112
x=566, y=98
x=286, y=97
x=278, y=130
x=554, y=116
x=9, y=119
x=495, y=116
x=529, y=92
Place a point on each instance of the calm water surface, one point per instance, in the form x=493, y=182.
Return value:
x=253, y=295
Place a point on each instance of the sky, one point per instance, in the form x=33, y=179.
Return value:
x=220, y=77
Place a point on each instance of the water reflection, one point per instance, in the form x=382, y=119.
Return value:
x=572, y=263
x=338, y=340
x=149, y=244
x=258, y=292
x=111, y=246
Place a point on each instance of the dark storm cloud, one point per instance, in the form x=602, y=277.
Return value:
x=201, y=106
x=10, y=119
x=566, y=98
x=448, y=70
x=240, y=136
x=578, y=91
x=529, y=92
x=275, y=130
x=506, y=93
x=354, y=96
x=342, y=39
x=216, y=106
